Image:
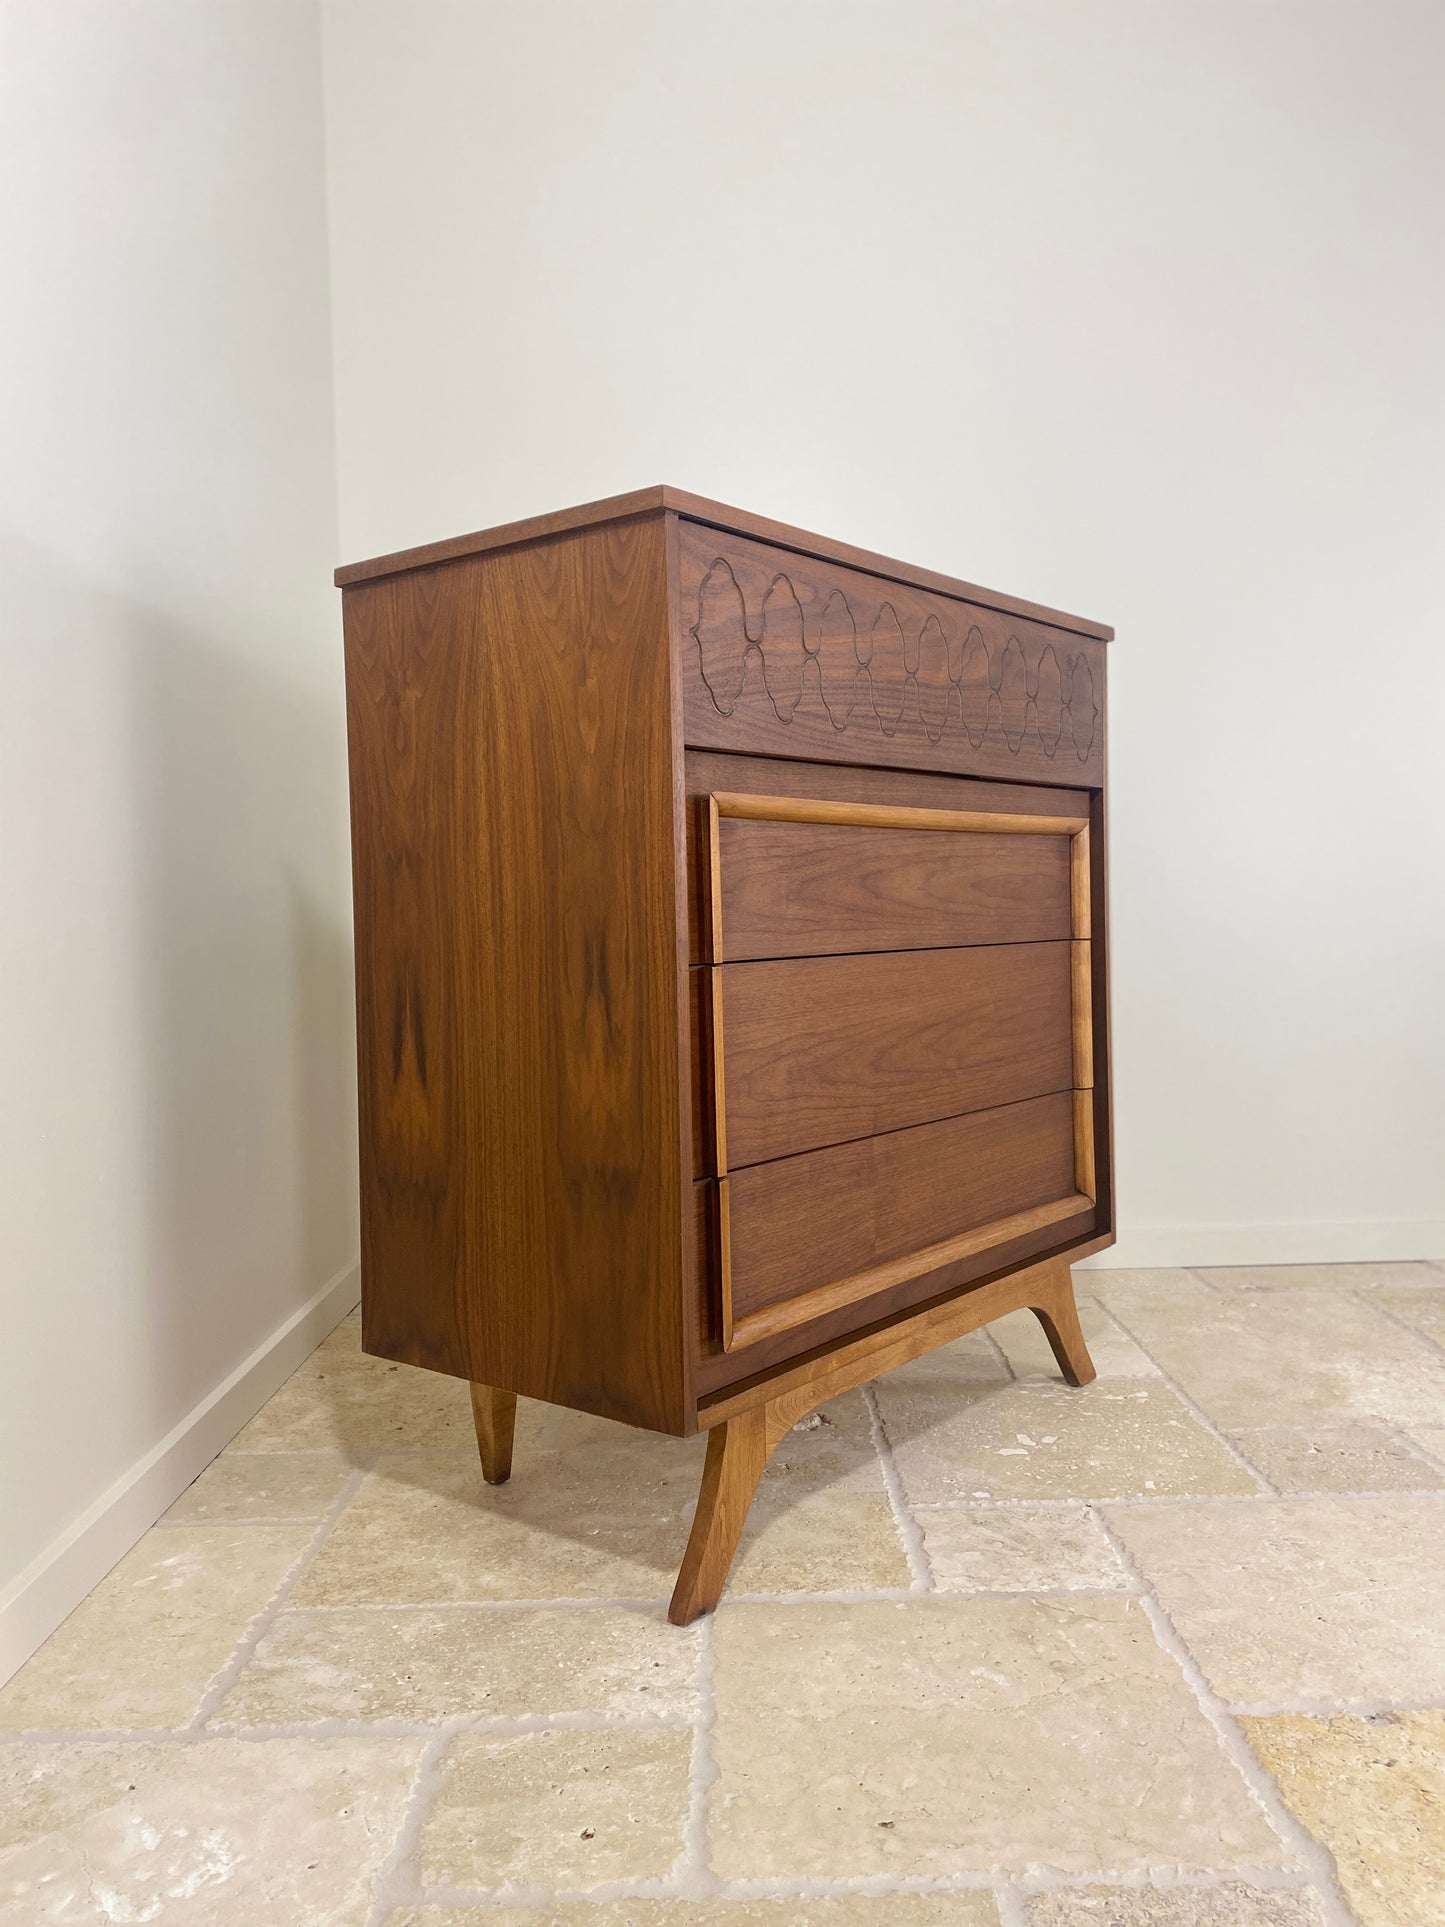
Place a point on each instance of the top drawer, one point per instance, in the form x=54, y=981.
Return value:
x=800, y=888
x=784, y=654
x=792, y=876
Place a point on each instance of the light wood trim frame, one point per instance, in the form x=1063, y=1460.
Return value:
x=783, y=1316
x=1081, y=1006
x=860, y=1359
x=789, y=1312
x=895, y=816
x=1085, y=1182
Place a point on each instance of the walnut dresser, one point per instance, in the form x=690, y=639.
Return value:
x=732, y=1005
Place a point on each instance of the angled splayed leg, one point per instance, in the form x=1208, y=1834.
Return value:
x=737, y=1452
x=1056, y=1310
x=740, y=1445
x=494, y=1414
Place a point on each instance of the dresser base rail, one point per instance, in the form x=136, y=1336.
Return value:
x=745, y=1428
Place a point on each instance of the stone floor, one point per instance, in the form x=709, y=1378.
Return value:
x=1169, y=1650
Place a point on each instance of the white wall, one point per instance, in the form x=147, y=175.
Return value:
x=177, y=1132
x=1132, y=308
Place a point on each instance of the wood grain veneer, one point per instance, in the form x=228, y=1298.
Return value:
x=513, y=846
x=801, y=1223
x=821, y=1049
x=788, y=656
x=789, y=889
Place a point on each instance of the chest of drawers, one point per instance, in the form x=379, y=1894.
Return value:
x=731, y=977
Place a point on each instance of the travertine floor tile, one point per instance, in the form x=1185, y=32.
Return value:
x=220, y=1834
x=971, y=1909
x=1056, y=1550
x=821, y=1521
x=480, y=1916
x=1116, y=1438
x=969, y=1365
x=1291, y=1277
x=595, y=1509
x=1432, y=1438
x=965, y=1735
x=565, y=1809
x=425, y=1665
x=1306, y=1356
x=341, y=1400
x=1231, y=1905
x=607, y=1518
x=1095, y=1282
x=262, y=1485
x=1422, y=1308
x=1302, y=1599
x=1021, y=1339
x=141, y=1650
x=1373, y=1793
x=1359, y=1456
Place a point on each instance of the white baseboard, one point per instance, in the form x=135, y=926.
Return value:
x=53, y=1585
x=1165, y=1246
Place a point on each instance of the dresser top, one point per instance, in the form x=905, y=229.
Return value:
x=697, y=508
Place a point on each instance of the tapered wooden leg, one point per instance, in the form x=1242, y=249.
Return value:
x=1058, y=1313
x=495, y=1415
x=737, y=1452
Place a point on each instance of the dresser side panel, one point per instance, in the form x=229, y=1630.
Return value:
x=514, y=854
x=784, y=654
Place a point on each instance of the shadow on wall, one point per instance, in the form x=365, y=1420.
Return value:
x=247, y=993
x=181, y=992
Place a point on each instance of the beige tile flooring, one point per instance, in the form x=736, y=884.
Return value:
x=1167, y=1652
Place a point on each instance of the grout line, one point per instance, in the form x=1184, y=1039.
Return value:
x=877, y=1886
x=840, y=1596
x=778, y=1887
x=223, y=1681
x=561, y=1604
x=255, y=1520
x=909, y=1530
x=594, y=1720
x=1402, y=1324
x=1104, y=1312
x=498, y=1726
x=1403, y=1438
x=692, y=1871
x=1264, y=1484
x=1200, y=1275
x=898, y=1595
x=972, y=1504
x=1144, y=1501
x=1126, y=1589
x=1168, y=1880
x=445, y=1726
x=397, y=1881
x=1297, y=1840
x=1004, y=1358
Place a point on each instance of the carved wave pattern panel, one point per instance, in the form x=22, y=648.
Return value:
x=879, y=674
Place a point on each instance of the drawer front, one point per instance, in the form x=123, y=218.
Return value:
x=804, y=1236
x=788, y=655
x=815, y=889
x=816, y=1050
x=876, y=1115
